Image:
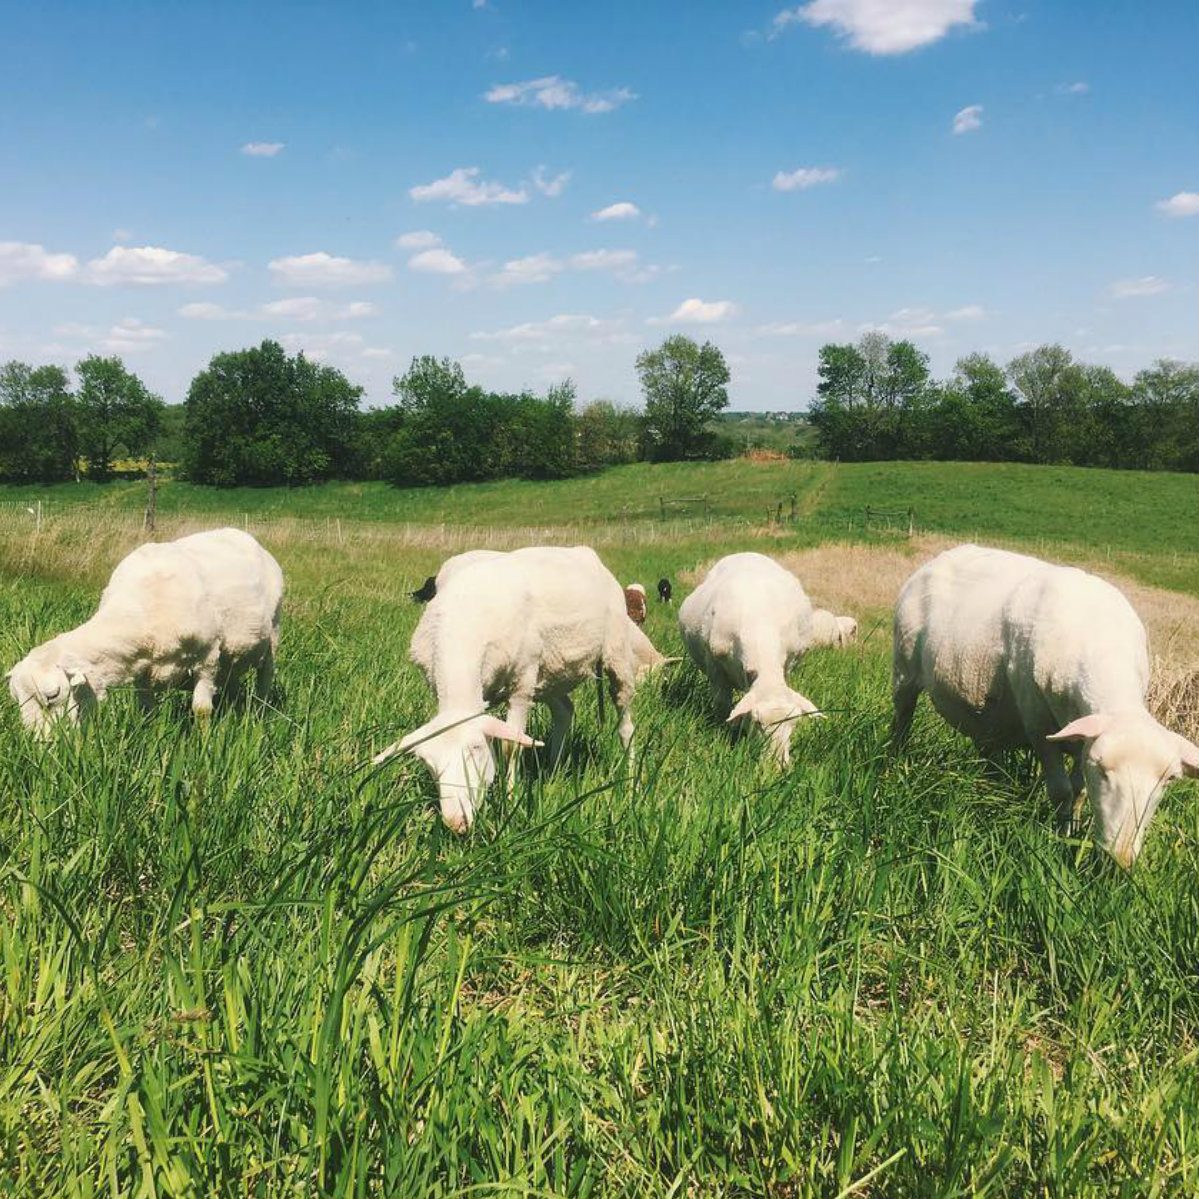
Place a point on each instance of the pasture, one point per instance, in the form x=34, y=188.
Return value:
x=241, y=961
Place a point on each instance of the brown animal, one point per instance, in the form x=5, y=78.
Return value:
x=634, y=602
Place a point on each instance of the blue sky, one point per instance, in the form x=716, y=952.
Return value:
x=542, y=189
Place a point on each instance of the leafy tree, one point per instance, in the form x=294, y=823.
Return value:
x=606, y=435
x=685, y=386
x=116, y=413
x=1164, y=414
x=541, y=434
x=974, y=417
x=257, y=416
x=450, y=431
x=1051, y=385
x=868, y=395
x=38, y=440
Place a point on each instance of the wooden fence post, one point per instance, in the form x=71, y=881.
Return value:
x=662, y=503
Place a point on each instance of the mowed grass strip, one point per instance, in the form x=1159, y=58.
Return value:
x=241, y=962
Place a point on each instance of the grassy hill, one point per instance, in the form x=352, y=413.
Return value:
x=242, y=961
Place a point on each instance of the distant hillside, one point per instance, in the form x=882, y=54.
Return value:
x=780, y=431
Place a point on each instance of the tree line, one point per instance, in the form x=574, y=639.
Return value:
x=876, y=399
x=260, y=417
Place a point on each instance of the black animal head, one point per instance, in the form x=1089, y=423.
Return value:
x=427, y=591
x=664, y=590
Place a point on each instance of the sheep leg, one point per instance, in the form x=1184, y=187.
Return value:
x=203, y=694
x=722, y=694
x=904, y=695
x=518, y=717
x=622, y=700
x=1058, y=784
x=264, y=676
x=145, y=694
x=562, y=710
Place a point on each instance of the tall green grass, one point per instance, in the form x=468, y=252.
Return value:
x=238, y=961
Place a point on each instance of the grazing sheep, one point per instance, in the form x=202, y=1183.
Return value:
x=828, y=629
x=1015, y=651
x=664, y=591
x=198, y=612
x=744, y=625
x=429, y=588
x=522, y=627
x=634, y=602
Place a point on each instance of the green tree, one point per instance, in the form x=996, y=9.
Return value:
x=38, y=435
x=1164, y=404
x=606, y=435
x=450, y=432
x=117, y=414
x=258, y=417
x=1052, y=386
x=685, y=385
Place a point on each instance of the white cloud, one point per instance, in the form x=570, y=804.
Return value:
x=377, y=352
x=297, y=308
x=698, y=312
x=623, y=210
x=21, y=261
x=130, y=336
x=567, y=323
x=908, y=322
x=801, y=329
x=463, y=186
x=327, y=270
x=1128, y=289
x=206, y=311
x=152, y=265
x=1073, y=89
x=320, y=346
x=536, y=268
x=968, y=119
x=616, y=261
x=121, y=235
x=1180, y=204
x=968, y=312
x=418, y=239
x=550, y=186
x=804, y=177
x=882, y=26
x=554, y=92
x=262, y=149
x=438, y=261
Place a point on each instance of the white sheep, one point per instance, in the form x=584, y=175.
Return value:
x=523, y=627
x=198, y=612
x=1015, y=651
x=744, y=625
x=828, y=629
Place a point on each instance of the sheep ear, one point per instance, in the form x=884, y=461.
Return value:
x=501, y=730
x=805, y=705
x=405, y=744
x=76, y=678
x=745, y=707
x=1190, y=758
x=1085, y=728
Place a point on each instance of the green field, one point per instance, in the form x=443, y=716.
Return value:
x=242, y=962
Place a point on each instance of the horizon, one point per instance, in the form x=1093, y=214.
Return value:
x=538, y=193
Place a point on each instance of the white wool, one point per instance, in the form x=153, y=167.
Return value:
x=523, y=627
x=197, y=612
x=828, y=629
x=1015, y=651
x=744, y=625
